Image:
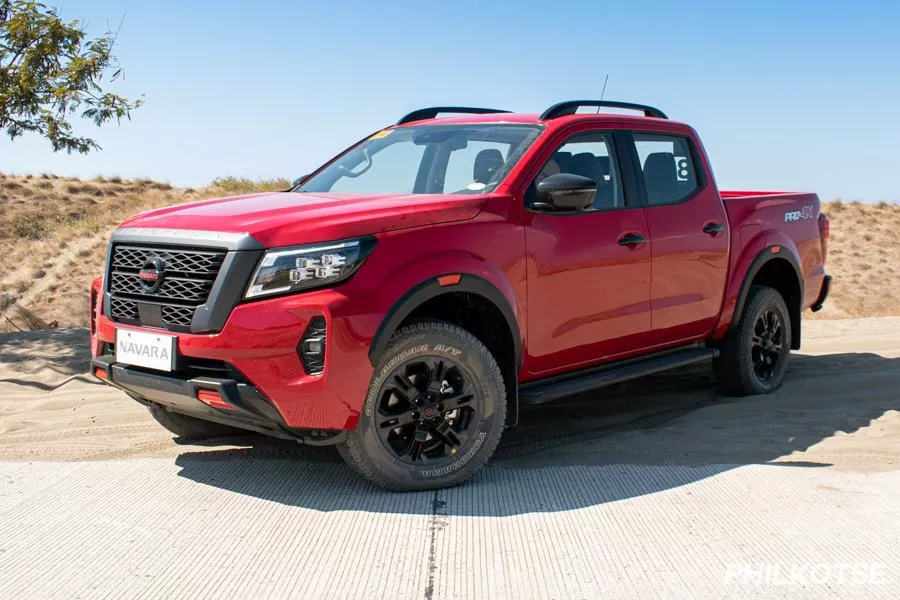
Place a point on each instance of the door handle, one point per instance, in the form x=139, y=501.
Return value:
x=713, y=229
x=631, y=240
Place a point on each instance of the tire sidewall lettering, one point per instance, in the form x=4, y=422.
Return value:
x=486, y=420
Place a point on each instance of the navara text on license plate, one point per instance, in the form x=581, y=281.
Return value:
x=142, y=349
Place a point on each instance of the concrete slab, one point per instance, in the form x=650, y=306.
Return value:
x=260, y=528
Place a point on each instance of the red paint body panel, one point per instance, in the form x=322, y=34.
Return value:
x=588, y=297
x=286, y=219
x=578, y=297
x=758, y=218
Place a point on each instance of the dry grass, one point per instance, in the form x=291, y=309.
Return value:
x=53, y=233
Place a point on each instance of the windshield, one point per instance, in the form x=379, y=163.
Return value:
x=428, y=159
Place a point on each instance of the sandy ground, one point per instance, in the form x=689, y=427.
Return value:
x=839, y=405
x=654, y=489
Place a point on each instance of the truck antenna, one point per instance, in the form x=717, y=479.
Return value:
x=605, y=81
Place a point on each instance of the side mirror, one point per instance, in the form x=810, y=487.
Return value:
x=566, y=191
x=298, y=181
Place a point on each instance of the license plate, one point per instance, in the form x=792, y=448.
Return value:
x=143, y=349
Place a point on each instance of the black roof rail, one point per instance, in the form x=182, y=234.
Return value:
x=569, y=107
x=434, y=111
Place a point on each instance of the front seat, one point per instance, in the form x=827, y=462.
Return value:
x=487, y=162
x=563, y=159
x=660, y=178
x=585, y=164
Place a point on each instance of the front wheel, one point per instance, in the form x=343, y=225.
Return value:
x=753, y=357
x=434, y=413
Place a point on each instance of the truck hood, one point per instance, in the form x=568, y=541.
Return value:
x=289, y=218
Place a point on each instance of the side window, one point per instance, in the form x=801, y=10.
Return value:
x=590, y=155
x=472, y=167
x=667, y=167
x=394, y=175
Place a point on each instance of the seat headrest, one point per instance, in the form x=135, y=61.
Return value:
x=603, y=162
x=486, y=163
x=563, y=159
x=585, y=164
x=660, y=177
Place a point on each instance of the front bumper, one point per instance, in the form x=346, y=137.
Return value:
x=246, y=407
x=260, y=341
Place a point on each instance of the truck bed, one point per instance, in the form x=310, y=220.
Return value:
x=788, y=220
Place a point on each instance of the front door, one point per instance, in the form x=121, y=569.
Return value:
x=588, y=272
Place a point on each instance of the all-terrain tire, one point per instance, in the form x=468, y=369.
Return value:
x=377, y=450
x=738, y=364
x=188, y=428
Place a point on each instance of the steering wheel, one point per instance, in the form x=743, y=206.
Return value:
x=366, y=166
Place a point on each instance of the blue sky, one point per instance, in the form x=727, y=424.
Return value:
x=786, y=95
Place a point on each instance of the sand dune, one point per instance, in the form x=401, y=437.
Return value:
x=54, y=231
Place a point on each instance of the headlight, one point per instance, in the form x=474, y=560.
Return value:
x=288, y=270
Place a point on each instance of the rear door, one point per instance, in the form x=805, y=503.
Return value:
x=588, y=288
x=689, y=228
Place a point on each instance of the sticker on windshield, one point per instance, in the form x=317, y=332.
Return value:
x=475, y=187
x=381, y=134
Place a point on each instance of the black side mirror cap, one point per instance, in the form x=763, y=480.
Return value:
x=567, y=191
x=298, y=181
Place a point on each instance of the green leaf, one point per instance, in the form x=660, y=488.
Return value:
x=50, y=72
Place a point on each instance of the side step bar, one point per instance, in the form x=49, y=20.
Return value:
x=553, y=388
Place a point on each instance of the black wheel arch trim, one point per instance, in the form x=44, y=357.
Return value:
x=764, y=257
x=431, y=288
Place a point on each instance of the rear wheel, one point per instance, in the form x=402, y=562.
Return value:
x=753, y=357
x=188, y=428
x=434, y=413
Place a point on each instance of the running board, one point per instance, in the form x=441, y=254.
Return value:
x=553, y=388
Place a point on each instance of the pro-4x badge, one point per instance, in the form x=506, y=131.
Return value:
x=807, y=212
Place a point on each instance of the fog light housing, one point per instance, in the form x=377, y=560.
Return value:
x=312, y=346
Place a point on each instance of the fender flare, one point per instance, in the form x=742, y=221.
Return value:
x=431, y=288
x=762, y=258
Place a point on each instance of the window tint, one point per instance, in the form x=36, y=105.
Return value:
x=473, y=167
x=667, y=166
x=590, y=155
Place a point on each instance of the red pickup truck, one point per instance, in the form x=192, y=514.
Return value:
x=402, y=301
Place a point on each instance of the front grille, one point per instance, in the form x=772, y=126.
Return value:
x=188, y=277
x=185, y=261
x=172, y=287
x=123, y=309
x=177, y=315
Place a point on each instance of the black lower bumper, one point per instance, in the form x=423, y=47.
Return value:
x=823, y=294
x=248, y=409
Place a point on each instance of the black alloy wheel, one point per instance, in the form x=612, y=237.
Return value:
x=767, y=345
x=753, y=356
x=434, y=412
x=426, y=410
